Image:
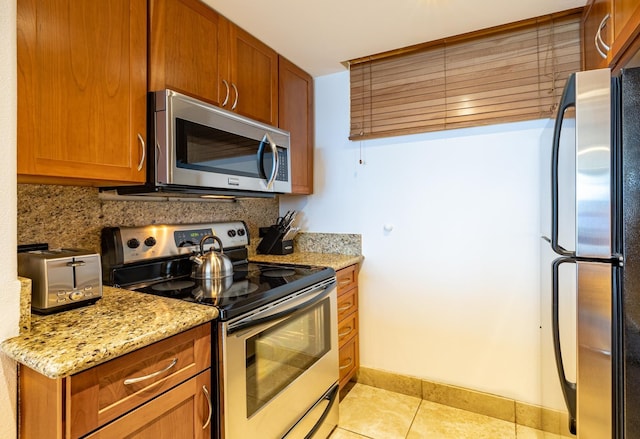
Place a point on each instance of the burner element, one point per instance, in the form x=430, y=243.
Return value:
x=173, y=285
x=282, y=272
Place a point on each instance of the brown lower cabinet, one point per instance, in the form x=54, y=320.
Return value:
x=348, y=343
x=164, y=387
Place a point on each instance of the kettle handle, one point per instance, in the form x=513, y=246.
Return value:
x=207, y=237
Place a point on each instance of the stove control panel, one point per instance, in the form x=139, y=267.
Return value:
x=159, y=241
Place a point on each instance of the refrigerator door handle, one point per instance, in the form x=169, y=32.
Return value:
x=568, y=100
x=568, y=388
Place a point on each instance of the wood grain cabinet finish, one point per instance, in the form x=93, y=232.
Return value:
x=163, y=387
x=253, y=69
x=348, y=332
x=198, y=52
x=613, y=27
x=295, y=114
x=82, y=72
x=597, y=31
x=182, y=413
x=186, y=49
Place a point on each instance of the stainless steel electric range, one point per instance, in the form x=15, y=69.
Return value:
x=276, y=344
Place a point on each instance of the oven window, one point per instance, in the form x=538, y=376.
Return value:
x=278, y=355
x=208, y=149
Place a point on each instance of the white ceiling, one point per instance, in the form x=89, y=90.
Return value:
x=318, y=35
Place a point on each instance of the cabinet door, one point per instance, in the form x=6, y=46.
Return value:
x=186, y=411
x=81, y=90
x=184, y=49
x=295, y=114
x=624, y=11
x=594, y=20
x=254, y=74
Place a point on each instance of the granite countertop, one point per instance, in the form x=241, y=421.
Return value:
x=333, y=260
x=122, y=321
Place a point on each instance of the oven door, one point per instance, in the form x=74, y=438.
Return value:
x=280, y=367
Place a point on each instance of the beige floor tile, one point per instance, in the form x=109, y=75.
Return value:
x=523, y=432
x=377, y=413
x=340, y=433
x=436, y=421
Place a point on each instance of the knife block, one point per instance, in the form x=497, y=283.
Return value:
x=272, y=243
x=282, y=247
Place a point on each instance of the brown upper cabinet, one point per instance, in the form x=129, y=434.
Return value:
x=296, y=116
x=81, y=91
x=597, y=34
x=185, y=49
x=82, y=85
x=610, y=33
x=196, y=51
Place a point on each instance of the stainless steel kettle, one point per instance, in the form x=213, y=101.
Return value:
x=212, y=264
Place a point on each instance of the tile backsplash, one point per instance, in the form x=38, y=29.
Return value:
x=72, y=216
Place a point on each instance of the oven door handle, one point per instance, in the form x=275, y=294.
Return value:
x=328, y=400
x=252, y=321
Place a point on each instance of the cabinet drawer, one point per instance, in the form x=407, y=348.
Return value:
x=347, y=303
x=347, y=279
x=347, y=359
x=185, y=411
x=347, y=329
x=106, y=391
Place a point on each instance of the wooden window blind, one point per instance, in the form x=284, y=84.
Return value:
x=505, y=74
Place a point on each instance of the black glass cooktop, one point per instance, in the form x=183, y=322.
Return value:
x=251, y=286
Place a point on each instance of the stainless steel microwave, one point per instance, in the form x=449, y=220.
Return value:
x=195, y=148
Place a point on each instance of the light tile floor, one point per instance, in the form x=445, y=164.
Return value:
x=371, y=413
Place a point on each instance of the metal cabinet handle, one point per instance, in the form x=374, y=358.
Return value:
x=144, y=151
x=226, y=96
x=344, y=308
x=342, y=334
x=129, y=381
x=76, y=264
x=208, y=396
x=235, y=103
x=348, y=365
x=599, y=42
x=344, y=282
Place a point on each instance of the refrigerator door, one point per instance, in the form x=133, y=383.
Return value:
x=593, y=164
x=590, y=398
x=594, y=359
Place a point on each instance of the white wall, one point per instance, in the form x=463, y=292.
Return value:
x=451, y=293
x=9, y=286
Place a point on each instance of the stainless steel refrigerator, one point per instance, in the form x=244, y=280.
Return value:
x=599, y=371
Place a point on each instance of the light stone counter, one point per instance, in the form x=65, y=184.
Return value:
x=122, y=321
x=333, y=260
x=25, y=304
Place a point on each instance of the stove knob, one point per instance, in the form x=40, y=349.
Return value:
x=150, y=241
x=133, y=243
x=231, y=233
x=241, y=232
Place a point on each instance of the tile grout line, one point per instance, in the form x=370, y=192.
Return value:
x=413, y=419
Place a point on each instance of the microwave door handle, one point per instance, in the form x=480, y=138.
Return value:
x=274, y=162
x=261, y=158
x=568, y=100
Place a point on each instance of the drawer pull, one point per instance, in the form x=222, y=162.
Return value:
x=344, y=308
x=129, y=381
x=342, y=283
x=206, y=393
x=347, y=332
x=348, y=365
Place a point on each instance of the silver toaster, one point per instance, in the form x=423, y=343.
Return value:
x=61, y=278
